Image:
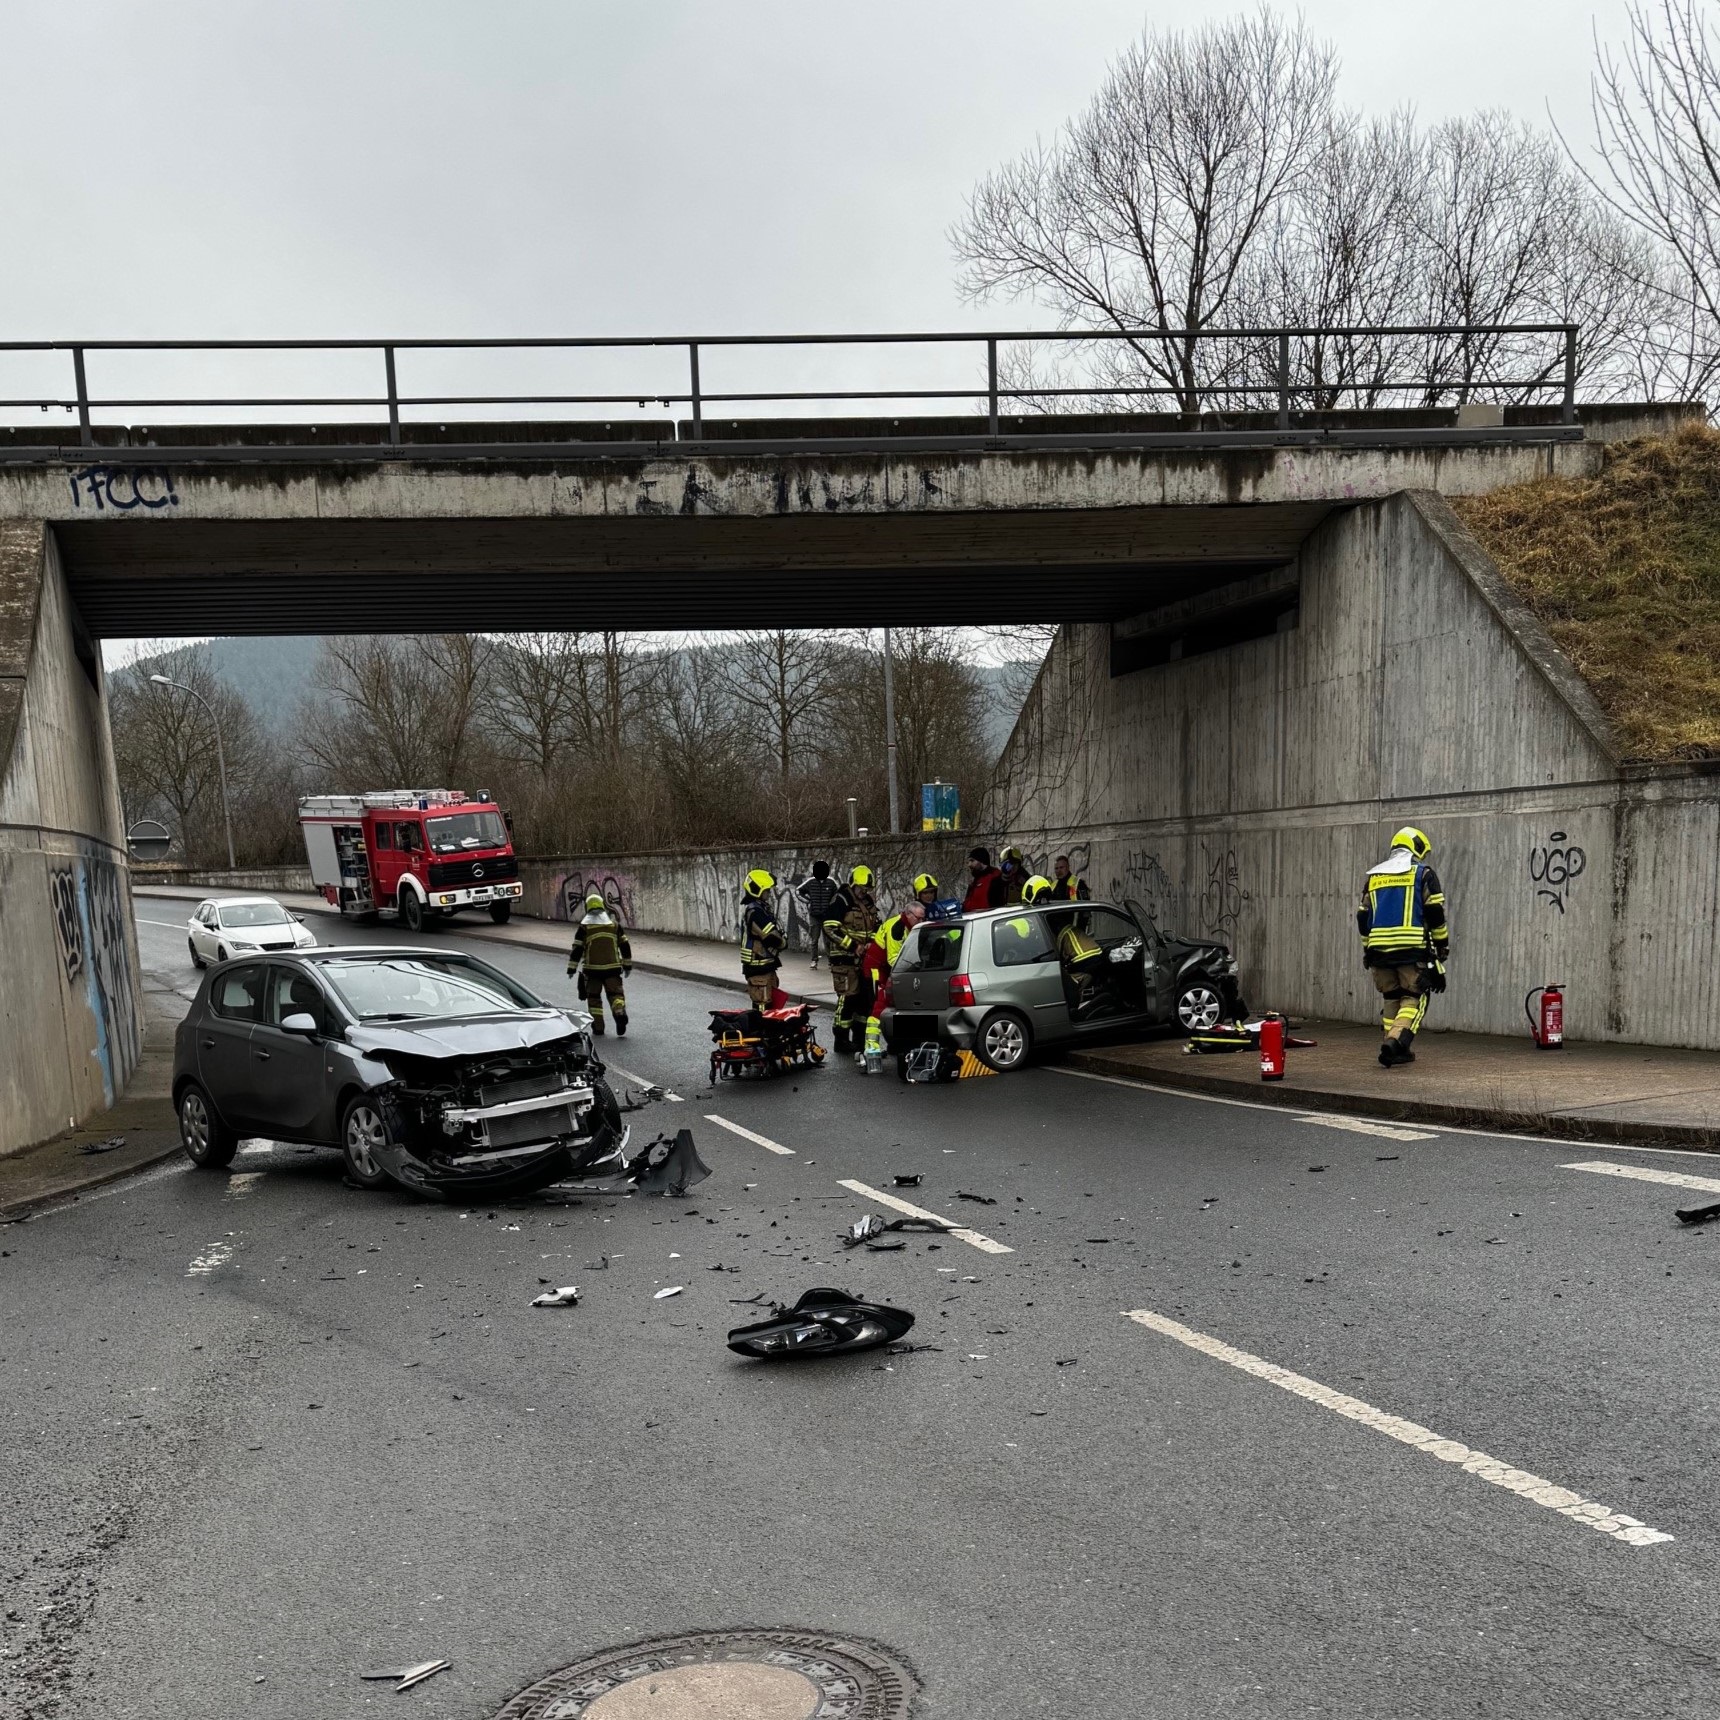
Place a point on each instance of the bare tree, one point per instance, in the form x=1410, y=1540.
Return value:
x=1656, y=105
x=1142, y=215
x=399, y=712
x=785, y=685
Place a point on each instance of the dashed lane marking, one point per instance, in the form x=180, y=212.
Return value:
x=640, y=1081
x=216, y=1254
x=747, y=1134
x=1631, y=1530
x=1642, y=1173
x=985, y=1244
x=1361, y=1126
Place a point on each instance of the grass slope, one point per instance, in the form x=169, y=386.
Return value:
x=1623, y=569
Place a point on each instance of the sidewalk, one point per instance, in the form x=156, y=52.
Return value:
x=1641, y=1093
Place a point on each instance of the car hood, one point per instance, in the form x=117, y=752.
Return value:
x=265, y=937
x=474, y=1036
x=1180, y=949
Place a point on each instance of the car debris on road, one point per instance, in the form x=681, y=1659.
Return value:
x=566, y=1297
x=410, y=1675
x=111, y=1144
x=823, y=1322
x=1697, y=1214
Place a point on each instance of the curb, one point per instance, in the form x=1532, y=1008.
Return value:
x=12, y=1211
x=1431, y=1112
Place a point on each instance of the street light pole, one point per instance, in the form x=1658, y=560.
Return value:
x=220, y=759
x=890, y=734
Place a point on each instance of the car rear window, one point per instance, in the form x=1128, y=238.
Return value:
x=1018, y=941
x=237, y=994
x=933, y=949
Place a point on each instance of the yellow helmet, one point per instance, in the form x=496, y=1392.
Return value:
x=757, y=882
x=861, y=875
x=923, y=883
x=1035, y=887
x=595, y=900
x=1412, y=839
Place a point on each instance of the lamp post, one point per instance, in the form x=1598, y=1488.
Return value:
x=890, y=733
x=220, y=759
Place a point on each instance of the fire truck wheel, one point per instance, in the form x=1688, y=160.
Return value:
x=411, y=911
x=499, y=912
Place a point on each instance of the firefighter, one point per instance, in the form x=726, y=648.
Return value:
x=881, y=954
x=850, y=921
x=1012, y=867
x=1082, y=959
x=761, y=938
x=1406, y=940
x=1065, y=886
x=602, y=957
x=1036, y=889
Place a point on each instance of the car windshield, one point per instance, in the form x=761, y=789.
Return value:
x=253, y=914
x=467, y=830
x=419, y=988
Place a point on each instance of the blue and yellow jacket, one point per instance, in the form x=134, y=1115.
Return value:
x=1402, y=912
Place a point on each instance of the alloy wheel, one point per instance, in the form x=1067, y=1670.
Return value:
x=1199, y=1008
x=194, y=1125
x=364, y=1137
x=1005, y=1042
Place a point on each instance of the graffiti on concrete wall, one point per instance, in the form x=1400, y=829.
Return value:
x=1222, y=896
x=1142, y=878
x=573, y=887
x=1554, y=866
x=122, y=488
x=88, y=896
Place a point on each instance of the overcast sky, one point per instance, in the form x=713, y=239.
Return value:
x=230, y=168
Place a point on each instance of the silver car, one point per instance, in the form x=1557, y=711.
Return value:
x=996, y=983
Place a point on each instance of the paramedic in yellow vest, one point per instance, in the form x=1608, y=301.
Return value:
x=602, y=957
x=761, y=938
x=1406, y=940
x=886, y=946
x=1081, y=957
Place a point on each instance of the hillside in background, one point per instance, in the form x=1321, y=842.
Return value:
x=1623, y=569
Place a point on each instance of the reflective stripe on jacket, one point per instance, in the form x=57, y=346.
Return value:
x=1402, y=910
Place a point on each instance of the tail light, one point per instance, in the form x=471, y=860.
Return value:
x=961, y=991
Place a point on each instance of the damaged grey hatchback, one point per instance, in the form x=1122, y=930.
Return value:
x=426, y=1068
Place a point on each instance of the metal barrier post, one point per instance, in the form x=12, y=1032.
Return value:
x=85, y=435
x=698, y=405
x=393, y=396
x=1569, y=414
x=1283, y=379
x=991, y=378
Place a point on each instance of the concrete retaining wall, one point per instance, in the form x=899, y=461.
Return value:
x=71, y=1019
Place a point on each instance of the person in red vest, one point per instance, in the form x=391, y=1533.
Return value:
x=986, y=890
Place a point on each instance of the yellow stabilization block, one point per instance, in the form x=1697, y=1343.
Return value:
x=967, y=1064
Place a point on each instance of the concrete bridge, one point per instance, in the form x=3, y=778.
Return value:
x=1110, y=523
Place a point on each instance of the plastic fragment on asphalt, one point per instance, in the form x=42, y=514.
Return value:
x=111, y=1144
x=410, y=1675
x=908, y=1181
x=1697, y=1214
x=1316, y=1167
x=566, y=1297
x=863, y=1230
x=884, y=1247
x=978, y=1199
x=667, y=1166
x=671, y=1290
x=1386, y=1158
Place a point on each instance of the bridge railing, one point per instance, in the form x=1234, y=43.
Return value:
x=1263, y=373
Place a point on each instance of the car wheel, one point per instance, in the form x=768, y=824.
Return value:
x=1003, y=1041
x=1199, y=1006
x=411, y=911
x=499, y=912
x=208, y=1142
x=363, y=1134
x=196, y=960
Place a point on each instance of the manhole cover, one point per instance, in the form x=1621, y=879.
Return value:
x=726, y=1675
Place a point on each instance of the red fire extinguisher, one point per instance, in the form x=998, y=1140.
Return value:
x=1549, y=1028
x=1272, y=1048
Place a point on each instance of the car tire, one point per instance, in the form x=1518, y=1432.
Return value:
x=411, y=911
x=1003, y=1041
x=196, y=960
x=208, y=1142
x=364, y=1126
x=500, y=912
x=1199, y=1006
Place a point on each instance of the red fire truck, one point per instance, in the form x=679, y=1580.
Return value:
x=415, y=854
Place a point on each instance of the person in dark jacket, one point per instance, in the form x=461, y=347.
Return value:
x=761, y=938
x=817, y=893
x=602, y=957
x=1065, y=886
x=986, y=889
x=1013, y=872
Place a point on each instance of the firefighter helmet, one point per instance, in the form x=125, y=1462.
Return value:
x=1011, y=857
x=861, y=875
x=595, y=901
x=923, y=883
x=1412, y=839
x=758, y=881
x=1035, y=888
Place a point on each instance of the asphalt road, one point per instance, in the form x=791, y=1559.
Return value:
x=263, y=1431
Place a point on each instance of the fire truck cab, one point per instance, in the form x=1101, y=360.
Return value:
x=413, y=854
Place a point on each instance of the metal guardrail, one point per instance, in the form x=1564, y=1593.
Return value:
x=1267, y=376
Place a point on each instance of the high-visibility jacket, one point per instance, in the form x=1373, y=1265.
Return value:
x=1076, y=948
x=600, y=943
x=1070, y=889
x=761, y=940
x=1402, y=911
x=890, y=937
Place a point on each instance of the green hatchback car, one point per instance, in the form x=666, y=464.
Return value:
x=998, y=983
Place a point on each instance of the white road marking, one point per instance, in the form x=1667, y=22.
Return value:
x=1590, y=1514
x=216, y=1254
x=640, y=1081
x=736, y=1129
x=242, y=1182
x=1642, y=1173
x=170, y=925
x=985, y=1244
x=1444, y=1128
x=1361, y=1126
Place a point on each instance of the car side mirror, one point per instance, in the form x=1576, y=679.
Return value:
x=299, y=917
x=299, y=1022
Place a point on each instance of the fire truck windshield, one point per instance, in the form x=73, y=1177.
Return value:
x=467, y=830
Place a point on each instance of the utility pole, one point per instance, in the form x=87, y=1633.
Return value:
x=890, y=735
x=220, y=759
